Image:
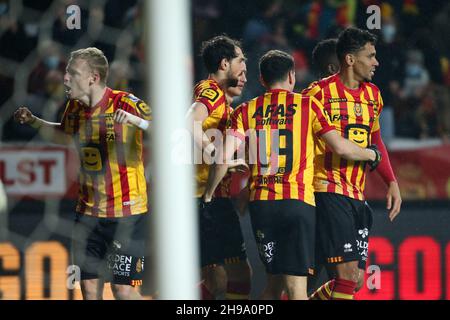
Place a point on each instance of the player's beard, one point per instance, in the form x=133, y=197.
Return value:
x=232, y=81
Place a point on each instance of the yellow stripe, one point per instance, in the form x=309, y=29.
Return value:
x=282, y=144
x=321, y=295
x=352, y=120
x=327, y=288
x=101, y=185
x=336, y=160
x=266, y=127
x=308, y=175
x=296, y=137
x=342, y=296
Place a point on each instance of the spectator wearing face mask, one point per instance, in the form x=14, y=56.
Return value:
x=50, y=59
x=390, y=75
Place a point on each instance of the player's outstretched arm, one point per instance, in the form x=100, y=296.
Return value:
x=347, y=149
x=50, y=131
x=124, y=117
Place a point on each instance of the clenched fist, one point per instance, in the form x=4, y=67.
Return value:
x=23, y=116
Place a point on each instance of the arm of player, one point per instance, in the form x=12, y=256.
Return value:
x=124, y=117
x=50, y=131
x=393, y=196
x=347, y=149
x=218, y=170
x=196, y=114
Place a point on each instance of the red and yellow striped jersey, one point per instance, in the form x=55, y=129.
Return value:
x=223, y=190
x=355, y=114
x=212, y=96
x=111, y=179
x=281, y=127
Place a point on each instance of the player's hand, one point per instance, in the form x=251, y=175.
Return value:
x=121, y=116
x=394, y=200
x=238, y=165
x=374, y=163
x=23, y=116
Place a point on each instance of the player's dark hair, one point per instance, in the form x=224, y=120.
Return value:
x=216, y=49
x=275, y=65
x=351, y=40
x=324, y=54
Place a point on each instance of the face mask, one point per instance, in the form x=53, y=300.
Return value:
x=413, y=70
x=388, y=32
x=51, y=62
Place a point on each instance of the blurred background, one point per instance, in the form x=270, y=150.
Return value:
x=414, y=77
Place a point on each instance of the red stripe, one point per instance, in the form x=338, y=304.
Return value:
x=357, y=164
x=306, y=112
x=343, y=111
x=223, y=120
x=274, y=157
x=89, y=133
x=286, y=183
x=76, y=124
x=121, y=161
x=109, y=187
x=223, y=190
x=84, y=195
x=328, y=158
x=259, y=102
x=95, y=207
x=218, y=103
x=371, y=124
x=83, y=192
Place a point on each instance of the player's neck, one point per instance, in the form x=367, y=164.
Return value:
x=281, y=86
x=221, y=79
x=95, y=97
x=348, y=79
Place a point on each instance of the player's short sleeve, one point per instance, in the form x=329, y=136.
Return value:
x=313, y=90
x=211, y=97
x=136, y=106
x=320, y=122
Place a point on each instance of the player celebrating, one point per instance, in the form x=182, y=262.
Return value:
x=110, y=227
x=282, y=126
x=221, y=239
x=353, y=104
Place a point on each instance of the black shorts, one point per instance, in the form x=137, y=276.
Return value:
x=221, y=239
x=342, y=229
x=111, y=249
x=284, y=235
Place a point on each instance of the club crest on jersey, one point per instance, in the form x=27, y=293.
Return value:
x=358, y=109
x=133, y=98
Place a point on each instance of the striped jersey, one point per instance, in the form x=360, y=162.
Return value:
x=111, y=180
x=223, y=190
x=281, y=129
x=212, y=96
x=355, y=114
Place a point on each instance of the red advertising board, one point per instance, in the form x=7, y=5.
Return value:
x=422, y=174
